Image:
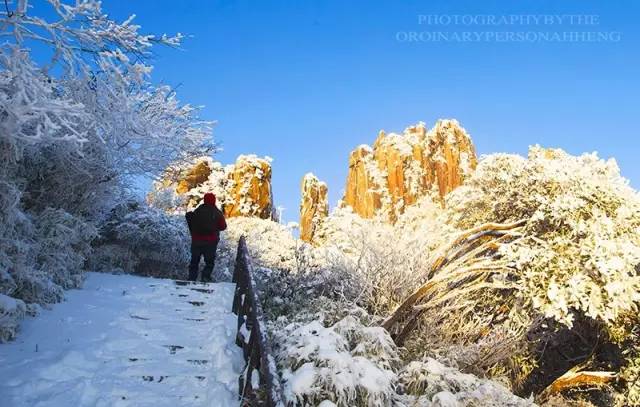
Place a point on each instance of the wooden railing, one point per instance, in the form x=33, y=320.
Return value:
x=259, y=383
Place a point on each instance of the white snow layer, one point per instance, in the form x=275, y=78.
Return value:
x=127, y=341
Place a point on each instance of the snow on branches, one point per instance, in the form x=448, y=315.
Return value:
x=81, y=34
x=142, y=240
x=30, y=111
x=347, y=363
x=94, y=88
x=580, y=245
x=74, y=131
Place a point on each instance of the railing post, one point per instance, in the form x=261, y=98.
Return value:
x=256, y=350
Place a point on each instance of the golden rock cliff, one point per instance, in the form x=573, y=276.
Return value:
x=402, y=168
x=242, y=189
x=314, y=206
x=249, y=188
x=194, y=176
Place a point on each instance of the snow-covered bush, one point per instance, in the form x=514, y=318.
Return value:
x=114, y=258
x=574, y=263
x=64, y=244
x=346, y=363
x=581, y=243
x=389, y=260
x=147, y=239
x=428, y=382
x=271, y=244
x=291, y=274
x=42, y=253
x=16, y=236
x=11, y=312
x=302, y=297
x=350, y=364
x=78, y=182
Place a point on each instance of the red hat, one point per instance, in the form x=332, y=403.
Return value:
x=209, y=198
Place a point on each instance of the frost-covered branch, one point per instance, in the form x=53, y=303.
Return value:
x=99, y=93
x=461, y=267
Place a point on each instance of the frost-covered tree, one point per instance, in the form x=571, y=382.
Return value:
x=96, y=84
x=581, y=244
x=544, y=262
x=74, y=129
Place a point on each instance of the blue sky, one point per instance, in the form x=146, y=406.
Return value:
x=306, y=81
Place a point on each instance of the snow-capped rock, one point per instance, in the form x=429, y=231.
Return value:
x=401, y=168
x=314, y=206
x=249, y=189
x=242, y=189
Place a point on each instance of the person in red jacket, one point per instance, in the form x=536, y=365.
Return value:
x=205, y=224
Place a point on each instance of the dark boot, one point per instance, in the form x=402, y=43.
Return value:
x=196, y=252
x=209, y=254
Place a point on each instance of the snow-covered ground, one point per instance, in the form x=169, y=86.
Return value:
x=127, y=341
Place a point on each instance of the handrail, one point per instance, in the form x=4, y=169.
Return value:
x=252, y=337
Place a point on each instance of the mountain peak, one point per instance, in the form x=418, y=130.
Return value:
x=402, y=168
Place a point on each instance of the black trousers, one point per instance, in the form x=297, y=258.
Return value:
x=206, y=250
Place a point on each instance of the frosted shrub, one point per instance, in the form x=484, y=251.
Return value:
x=428, y=382
x=347, y=363
x=575, y=263
x=11, y=312
x=41, y=254
x=17, y=242
x=64, y=244
x=7, y=283
x=46, y=255
x=36, y=286
x=389, y=260
x=294, y=277
x=303, y=297
x=158, y=242
x=270, y=244
x=80, y=183
x=581, y=243
x=113, y=258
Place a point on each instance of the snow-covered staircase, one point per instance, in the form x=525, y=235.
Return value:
x=127, y=341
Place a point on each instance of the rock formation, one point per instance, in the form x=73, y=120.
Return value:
x=242, y=189
x=314, y=206
x=195, y=176
x=364, y=183
x=402, y=168
x=249, y=189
